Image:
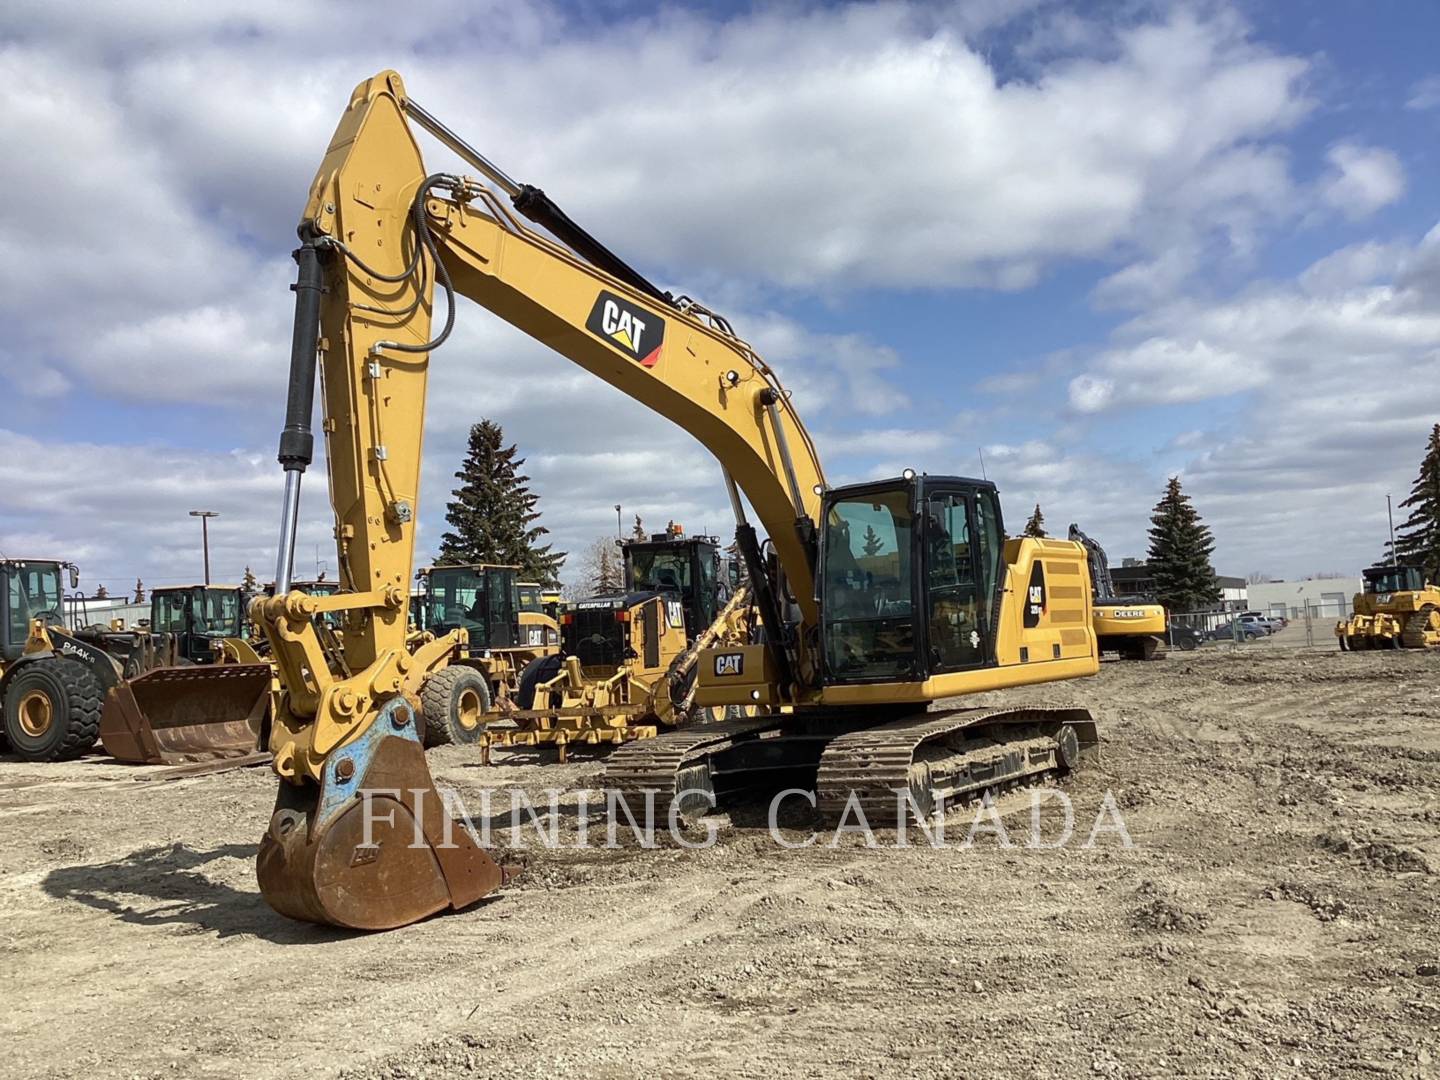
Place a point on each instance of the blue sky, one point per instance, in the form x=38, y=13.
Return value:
x=1105, y=243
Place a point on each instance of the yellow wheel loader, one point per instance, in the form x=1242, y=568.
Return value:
x=61, y=689
x=1135, y=627
x=628, y=661
x=1398, y=608
x=879, y=603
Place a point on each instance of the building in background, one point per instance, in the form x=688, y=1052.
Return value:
x=1323, y=597
x=1133, y=579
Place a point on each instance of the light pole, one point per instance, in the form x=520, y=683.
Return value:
x=619, y=525
x=205, y=516
x=1391, y=515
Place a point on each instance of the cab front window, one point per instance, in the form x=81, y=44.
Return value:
x=866, y=587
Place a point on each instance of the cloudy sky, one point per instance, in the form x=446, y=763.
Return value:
x=1102, y=243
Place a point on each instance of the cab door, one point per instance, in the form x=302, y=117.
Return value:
x=961, y=555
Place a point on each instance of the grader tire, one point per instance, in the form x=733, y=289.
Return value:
x=453, y=703
x=541, y=669
x=52, y=710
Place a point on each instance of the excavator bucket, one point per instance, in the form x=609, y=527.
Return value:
x=169, y=716
x=372, y=846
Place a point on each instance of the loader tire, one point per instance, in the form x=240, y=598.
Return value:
x=52, y=710
x=541, y=669
x=454, y=703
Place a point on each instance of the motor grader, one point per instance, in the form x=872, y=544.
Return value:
x=628, y=662
x=62, y=689
x=1397, y=608
x=1135, y=627
x=874, y=600
x=480, y=605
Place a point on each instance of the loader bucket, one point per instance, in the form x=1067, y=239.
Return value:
x=174, y=715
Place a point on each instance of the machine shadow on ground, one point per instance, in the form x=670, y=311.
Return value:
x=171, y=876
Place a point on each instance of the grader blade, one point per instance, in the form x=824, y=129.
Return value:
x=171, y=716
x=372, y=846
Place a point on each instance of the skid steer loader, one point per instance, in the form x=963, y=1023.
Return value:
x=1397, y=609
x=627, y=665
x=61, y=689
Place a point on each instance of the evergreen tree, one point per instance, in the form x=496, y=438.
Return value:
x=1180, y=548
x=872, y=542
x=139, y=592
x=492, y=515
x=248, y=583
x=1418, y=541
x=638, y=532
x=102, y=593
x=1036, y=525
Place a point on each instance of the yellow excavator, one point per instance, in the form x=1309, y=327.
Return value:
x=1132, y=626
x=875, y=600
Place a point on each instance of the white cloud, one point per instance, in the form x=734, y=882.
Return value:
x=1341, y=374
x=1362, y=179
x=1425, y=94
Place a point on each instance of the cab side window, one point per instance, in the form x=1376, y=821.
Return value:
x=987, y=519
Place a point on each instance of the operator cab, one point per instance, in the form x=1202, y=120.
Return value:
x=683, y=571
x=196, y=615
x=481, y=598
x=30, y=589
x=909, y=578
x=1380, y=580
x=673, y=565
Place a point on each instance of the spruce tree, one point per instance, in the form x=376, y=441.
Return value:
x=492, y=515
x=1418, y=541
x=139, y=592
x=249, y=584
x=638, y=531
x=872, y=542
x=1036, y=525
x=1180, y=548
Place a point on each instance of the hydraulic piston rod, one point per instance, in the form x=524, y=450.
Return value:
x=297, y=443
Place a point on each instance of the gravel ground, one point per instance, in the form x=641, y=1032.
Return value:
x=1275, y=916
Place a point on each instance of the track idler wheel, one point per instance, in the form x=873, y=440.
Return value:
x=372, y=847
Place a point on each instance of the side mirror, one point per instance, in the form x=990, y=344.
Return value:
x=74, y=577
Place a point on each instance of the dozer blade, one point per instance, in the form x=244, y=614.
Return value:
x=372, y=846
x=170, y=716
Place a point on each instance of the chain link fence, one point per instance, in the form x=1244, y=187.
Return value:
x=1307, y=625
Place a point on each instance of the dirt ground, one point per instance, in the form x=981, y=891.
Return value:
x=1276, y=916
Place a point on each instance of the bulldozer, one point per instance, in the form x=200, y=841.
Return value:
x=629, y=661
x=482, y=606
x=1398, y=608
x=878, y=603
x=1135, y=627
x=62, y=689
